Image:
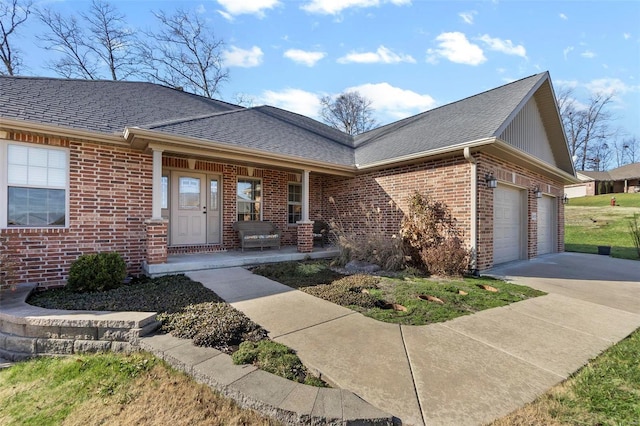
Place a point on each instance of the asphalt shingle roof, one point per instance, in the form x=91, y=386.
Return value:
x=628, y=171
x=473, y=118
x=99, y=106
x=110, y=106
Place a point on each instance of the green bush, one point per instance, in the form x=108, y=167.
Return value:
x=275, y=358
x=97, y=272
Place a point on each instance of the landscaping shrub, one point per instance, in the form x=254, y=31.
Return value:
x=364, y=236
x=216, y=325
x=273, y=358
x=348, y=291
x=432, y=238
x=97, y=272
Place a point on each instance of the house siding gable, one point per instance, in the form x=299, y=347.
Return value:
x=527, y=132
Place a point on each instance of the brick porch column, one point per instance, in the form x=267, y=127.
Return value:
x=305, y=236
x=157, y=230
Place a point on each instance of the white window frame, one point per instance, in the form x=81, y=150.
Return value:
x=4, y=184
x=261, y=202
x=294, y=203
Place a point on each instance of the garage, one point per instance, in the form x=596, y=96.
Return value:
x=546, y=225
x=508, y=214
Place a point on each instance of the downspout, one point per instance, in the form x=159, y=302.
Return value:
x=474, y=209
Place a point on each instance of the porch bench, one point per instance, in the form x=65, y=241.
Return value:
x=257, y=233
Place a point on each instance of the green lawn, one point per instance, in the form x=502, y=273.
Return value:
x=591, y=222
x=406, y=299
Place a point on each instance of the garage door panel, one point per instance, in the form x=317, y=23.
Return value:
x=507, y=224
x=546, y=225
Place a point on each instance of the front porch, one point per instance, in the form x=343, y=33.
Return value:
x=182, y=263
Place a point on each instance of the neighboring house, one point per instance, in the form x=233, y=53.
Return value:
x=624, y=179
x=150, y=171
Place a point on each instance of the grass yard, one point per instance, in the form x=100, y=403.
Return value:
x=404, y=300
x=591, y=222
x=112, y=389
x=604, y=392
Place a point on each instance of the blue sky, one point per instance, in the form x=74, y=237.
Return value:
x=406, y=56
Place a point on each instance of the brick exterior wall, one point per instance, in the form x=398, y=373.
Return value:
x=109, y=200
x=305, y=237
x=446, y=180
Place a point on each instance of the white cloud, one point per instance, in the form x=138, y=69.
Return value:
x=566, y=52
x=382, y=55
x=456, y=48
x=468, y=17
x=246, y=7
x=335, y=7
x=295, y=100
x=563, y=17
x=394, y=102
x=504, y=46
x=237, y=57
x=588, y=54
x=201, y=9
x=610, y=86
x=626, y=36
x=304, y=57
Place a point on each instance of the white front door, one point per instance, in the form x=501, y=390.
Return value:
x=188, y=208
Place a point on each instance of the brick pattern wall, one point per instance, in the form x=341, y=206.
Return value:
x=305, y=237
x=156, y=249
x=449, y=180
x=109, y=200
x=508, y=173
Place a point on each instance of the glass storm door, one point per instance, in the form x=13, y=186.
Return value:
x=189, y=209
x=213, y=210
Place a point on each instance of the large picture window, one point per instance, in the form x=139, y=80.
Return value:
x=249, y=197
x=295, y=202
x=36, y=186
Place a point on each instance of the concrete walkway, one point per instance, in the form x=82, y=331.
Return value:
x=467, y=371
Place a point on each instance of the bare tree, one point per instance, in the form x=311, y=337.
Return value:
x=631, y=150
x=98, y=45
x=184, y=53
x=13, y=13
x=586, y=126
x=350, y=112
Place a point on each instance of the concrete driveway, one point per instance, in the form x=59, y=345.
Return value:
x=467, y=371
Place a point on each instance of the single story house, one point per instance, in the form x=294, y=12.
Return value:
x=624, y=179
x=151, y=171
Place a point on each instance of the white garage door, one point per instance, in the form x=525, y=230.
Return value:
x=546, y=225
x=507, y=224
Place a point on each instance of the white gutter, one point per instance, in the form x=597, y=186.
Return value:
x=474, y=207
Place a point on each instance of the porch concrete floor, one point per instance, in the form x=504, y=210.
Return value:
x=183, y=263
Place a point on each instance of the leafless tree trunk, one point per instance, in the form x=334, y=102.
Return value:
x=184, y=54
x=102, y=40
x=350, y=112
x=586, y=126
x=631, y=150
x=13, y=13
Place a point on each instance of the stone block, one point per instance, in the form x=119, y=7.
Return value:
x=79, y=333
x=20, y=344
x=91, y=346
x=114, y=334
x=46, y=332
x=54, y=346
x=10, y=327
x=328, y=405
x=123, y=347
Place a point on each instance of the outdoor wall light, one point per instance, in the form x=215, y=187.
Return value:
x=537, y=191
x=565, y=199
x=491, y=181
